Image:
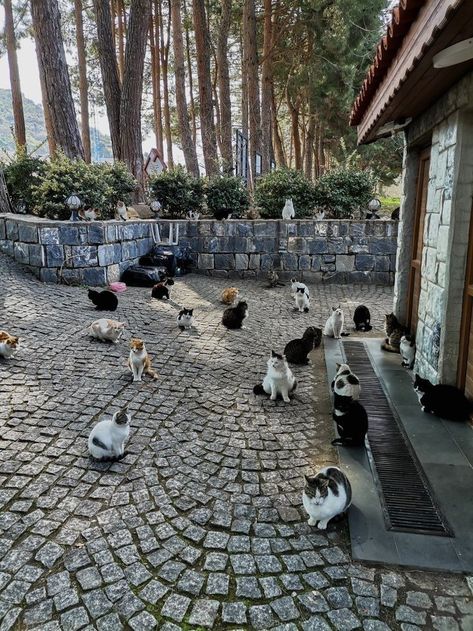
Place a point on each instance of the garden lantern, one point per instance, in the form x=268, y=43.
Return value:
x=155, y=206
x=374, y=206
x=74, y=203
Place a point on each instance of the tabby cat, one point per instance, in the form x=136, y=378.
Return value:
x=394, y=331
x=326, y=495
x=296, y=351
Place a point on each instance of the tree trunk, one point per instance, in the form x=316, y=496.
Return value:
x=251, y=70
x=47, y=25
x=164, y=64
x=121, y=37
x=296, y=138
x=109, y=70
x=132, y=87
x=83, y=83
x=207, y=124
x=17, y=101
x=266, y=84
x=280, y=156
x=223, y=76
x=188, y=147
x=309, y=145
x=46, y=110
x=156, y=77
x=244, y=90
x=191, y=79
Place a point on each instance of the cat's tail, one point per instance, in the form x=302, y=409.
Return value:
x=368, y=327
x=294, y=385
x=387, y=347
x=152, y=373
x=306, y=309
x=344, y=334
x=258, y=389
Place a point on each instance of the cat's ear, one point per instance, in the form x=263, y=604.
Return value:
x=334, y=308
x=309, y=479
x=191, y=311
x=273, y=354
x=338, y=366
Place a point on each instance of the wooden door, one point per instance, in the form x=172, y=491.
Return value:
x=418, y=239
x=465, y=366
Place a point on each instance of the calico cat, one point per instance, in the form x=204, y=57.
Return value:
x=139, y=361
x=407, y=348
x=288, y=211
x=362, y=318
x=185, y=319
x=302, y=300
x=8, y=345
x=121, y=211
x=103, y=300
x=325, y=495
x=441, y=400
x=229, y=295
x=394, y=331
x=296, y=351
x=278, y=380
x=273, y=279
x=295, y=285
x=346, y=383
x=233, y=317
x=107, y=439
x=162, y=290
x=107, y=330
x=334, y=325
x=351, y=419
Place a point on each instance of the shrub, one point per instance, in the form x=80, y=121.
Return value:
x=178, y=191
x=342, y=192
x=22, y=173
x=273, y=189
x=98, y=186
x=227, y=193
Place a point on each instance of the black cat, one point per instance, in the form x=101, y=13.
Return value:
x=103, y=300
x=222, y=214
x=160, y=290
x=362, y=318
x=352, y=421
x=233, y=317
x=445, y=401
x=395, y=214
x=296, y=351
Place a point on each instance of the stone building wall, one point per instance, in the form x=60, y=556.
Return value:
x=96, y=253
x=448, y=126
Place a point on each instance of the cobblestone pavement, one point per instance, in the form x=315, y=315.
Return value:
x=201, y=525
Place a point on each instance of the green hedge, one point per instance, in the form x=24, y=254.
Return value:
x=272, y=190
x=22, y=173
x=343, y=192
x=227, y=193
x=177, y=191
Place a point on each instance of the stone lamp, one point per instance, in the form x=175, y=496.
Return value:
x=155, y=206
x=74, y=203
x=374, y=206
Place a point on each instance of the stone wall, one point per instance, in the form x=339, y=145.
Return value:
x=448, y=126
x=96, y=253
x=92, y=253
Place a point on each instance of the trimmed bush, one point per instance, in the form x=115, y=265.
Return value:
x=98, y=186
x=273, y=189
x=227, y=193
x=178, y=192
x=343, y=192
x=22, y=174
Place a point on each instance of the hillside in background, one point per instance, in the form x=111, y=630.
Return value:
x=36, y=131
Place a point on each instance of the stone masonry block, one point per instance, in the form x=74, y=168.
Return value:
x=364, y=262
x=241, y=261
x=206, y=261
x=54, y=255
x=49, y=236
x=27, y=233
x=69, y=235
x=36, y=254
x=12, y=230
x=345, y=263
x=20, y=252
x=305, y=262
x=96, y=233
x=316, y=246
x=48, y=275
x=296, y=244
x=255, y=261
x=224, y=261
x=84, y=255
x=95, y=276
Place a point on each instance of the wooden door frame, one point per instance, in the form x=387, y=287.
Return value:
x=424, y=156
x=467, y=313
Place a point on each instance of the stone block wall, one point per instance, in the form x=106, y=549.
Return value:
x=96, y=253
x=89, y=253
x=449, y=122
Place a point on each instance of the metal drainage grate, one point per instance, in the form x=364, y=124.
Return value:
x=407, y=499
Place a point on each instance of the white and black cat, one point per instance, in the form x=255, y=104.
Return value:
x=362, y=318
x=407, y=348
x=279, y=379
x=295, y=285
x=163, y=289
x=351, y=420
x=233, y=317
x=326, y=495
x=302, y=300
x=185, y=319
x=442, y=400
x=107, y=439
x=103, y=300
x=296, y=351
x=346, y=383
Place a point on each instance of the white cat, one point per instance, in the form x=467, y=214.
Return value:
x=278, y=380
x=346, y=383
x=326, y=495
x=107, y=330
x=295, y=285
x=302, y=300
x=320, y=215
x=408, y=351
x=288, y=211
x=107, y=439
x=185, y=319
x=334, y=325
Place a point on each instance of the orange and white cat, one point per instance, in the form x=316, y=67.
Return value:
x=139, y=361
x=107, y=330
x=8, y=344
x=229, y=295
